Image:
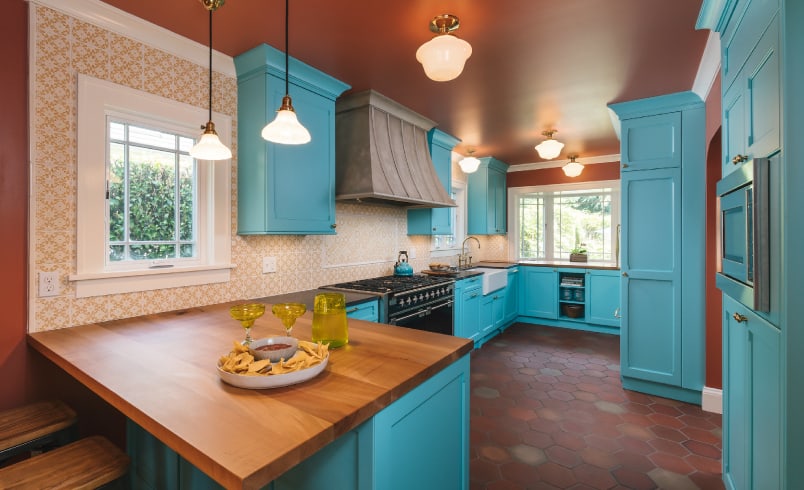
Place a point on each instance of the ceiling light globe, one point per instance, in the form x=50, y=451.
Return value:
x=572, y=169
x=286, y=129
x=209, y=147
x=443, y=57
x=549, y=149
x=469, y=165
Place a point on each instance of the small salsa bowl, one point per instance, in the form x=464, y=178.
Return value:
x=274, y=348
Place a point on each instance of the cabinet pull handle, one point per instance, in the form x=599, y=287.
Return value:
x=625, y=165
x=474, y=295
x=617, y=313
x=625, y=274
x=740, y=318
x=434, y=228
x=352, y=310
x=739, y=159
x=333, y=225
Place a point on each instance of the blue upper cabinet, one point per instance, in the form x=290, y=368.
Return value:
x=662, y=329
x=436, y=221
x=486, y=196
x=284, y=189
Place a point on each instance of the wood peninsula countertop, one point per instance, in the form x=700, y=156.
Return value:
x=159, y=371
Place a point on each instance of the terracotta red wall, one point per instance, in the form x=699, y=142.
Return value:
x=714, y=339
x=547, y=176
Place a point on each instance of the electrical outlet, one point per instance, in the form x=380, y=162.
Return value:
x=268, y=265
x=412, y=253
x=48, y=284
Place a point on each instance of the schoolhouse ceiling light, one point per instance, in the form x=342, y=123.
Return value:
x=573, y=168
x=469, y=164
x=549, y=148
x=209, y=147
x=444, y=56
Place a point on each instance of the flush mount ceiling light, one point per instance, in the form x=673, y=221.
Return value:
x=573, y=168
x=443, y=56
x=469, y=164
x=549, y=148
x=286, y=128
x=209, y=147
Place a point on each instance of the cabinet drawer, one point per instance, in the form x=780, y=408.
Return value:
x=748, y=21
x=368, y=311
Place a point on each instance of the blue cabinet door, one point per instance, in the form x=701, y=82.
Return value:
x=467, y=309
x=752, y=399
x=284, y=189
x=486, y=196
x=651, y=142
x=436, y=221
x=512, y=296
x=650, y=339
x=603, y=297
x=538, y=293
x=368, y=311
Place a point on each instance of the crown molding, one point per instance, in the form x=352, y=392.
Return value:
x=708, y=68
x=113, y=19
x=560, y=163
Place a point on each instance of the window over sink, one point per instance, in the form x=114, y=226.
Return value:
x=446, y=245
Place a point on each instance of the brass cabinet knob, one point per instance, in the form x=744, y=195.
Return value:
x=625, y=274
x=739, y=159
x=625, y=165
x=333, y=225
x=740, y=318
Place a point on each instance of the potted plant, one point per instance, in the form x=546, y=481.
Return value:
x=578, y=254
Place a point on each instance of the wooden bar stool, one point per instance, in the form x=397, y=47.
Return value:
x=86, y=464
x=35, y=426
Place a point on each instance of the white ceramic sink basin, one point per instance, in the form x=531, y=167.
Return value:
x=493, y=279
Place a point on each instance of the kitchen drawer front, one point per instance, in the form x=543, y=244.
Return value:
x=368, y=311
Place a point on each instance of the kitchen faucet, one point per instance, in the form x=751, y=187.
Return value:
x=464, y=259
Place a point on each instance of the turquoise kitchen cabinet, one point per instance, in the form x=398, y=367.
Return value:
x=751, y=107
x=426, y=429
x=284, y=189
x=538, y=294
x=492, y=315
x=467, y=307
x=752, y=399
x=436, y=221
x=603, y=297
x=486, y=194
x=512, y=296
x=368, y=311
x=662, y=283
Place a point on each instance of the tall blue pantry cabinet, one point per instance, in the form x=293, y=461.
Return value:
x=763, y=117
x=662, y=256
x=284, y=189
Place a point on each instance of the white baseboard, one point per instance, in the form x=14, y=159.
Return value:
x=712, y=400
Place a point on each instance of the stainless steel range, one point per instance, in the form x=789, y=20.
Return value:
x=419, y=301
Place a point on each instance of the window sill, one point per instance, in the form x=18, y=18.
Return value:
x=100, y=284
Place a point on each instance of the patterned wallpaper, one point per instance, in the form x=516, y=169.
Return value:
x=366, y=245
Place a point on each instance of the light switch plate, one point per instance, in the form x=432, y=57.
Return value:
x=268, y=265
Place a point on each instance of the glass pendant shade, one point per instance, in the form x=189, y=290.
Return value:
x=469, y=164
x=572, y=169
x=549, y=149
x=209, y=147
x=286, y=128
x=443, y=57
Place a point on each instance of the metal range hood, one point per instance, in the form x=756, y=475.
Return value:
x=382, y=156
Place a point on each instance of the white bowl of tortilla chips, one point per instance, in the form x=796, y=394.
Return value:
x=240, y=368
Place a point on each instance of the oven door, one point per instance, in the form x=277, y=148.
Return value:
x=434, y=318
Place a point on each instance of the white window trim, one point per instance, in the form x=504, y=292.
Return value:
x=514, y=193
x=97, y=99
x=459, y=229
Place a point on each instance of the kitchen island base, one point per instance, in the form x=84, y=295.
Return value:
x=419, y=441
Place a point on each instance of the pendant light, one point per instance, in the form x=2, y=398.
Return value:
x=549, y=148
x=443, y=56
x=209, y=147
x=573, y=168
x=286, y=128
x=469, y=164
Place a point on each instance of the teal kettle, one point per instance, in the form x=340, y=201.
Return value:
x=402, y=267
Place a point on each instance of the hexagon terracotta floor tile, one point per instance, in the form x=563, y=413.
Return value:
x=549, y=411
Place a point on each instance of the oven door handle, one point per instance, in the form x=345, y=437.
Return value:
x=420, y=313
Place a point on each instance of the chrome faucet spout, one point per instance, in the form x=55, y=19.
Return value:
x=464, y=259
x=463, y=245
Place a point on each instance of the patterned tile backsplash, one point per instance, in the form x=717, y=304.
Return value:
x=368, y=240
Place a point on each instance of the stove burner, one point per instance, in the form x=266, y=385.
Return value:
x=391, y=284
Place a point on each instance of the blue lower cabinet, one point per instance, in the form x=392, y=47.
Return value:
x=512, y=296
x=751, y=399
x=603, y=297
x=539, y=292
x=467, y=307
x=368, y=311
x=419, y=441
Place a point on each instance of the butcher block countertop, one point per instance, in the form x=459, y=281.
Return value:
x=160, y=371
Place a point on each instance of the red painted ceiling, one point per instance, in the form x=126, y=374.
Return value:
x=535, y=64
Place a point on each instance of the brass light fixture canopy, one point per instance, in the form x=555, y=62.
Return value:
x=444, y=23
x=212, y=5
